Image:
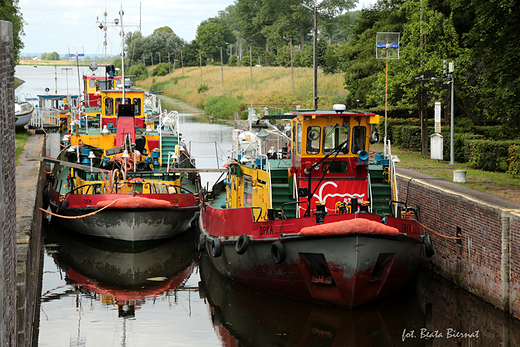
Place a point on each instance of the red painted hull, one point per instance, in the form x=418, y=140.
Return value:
x=346, y=270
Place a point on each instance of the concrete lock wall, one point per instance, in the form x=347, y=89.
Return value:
x=8, y=309
x=485, y=261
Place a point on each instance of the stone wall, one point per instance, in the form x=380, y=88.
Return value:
x=30, y=179
x=484, y=261
x=8, y=309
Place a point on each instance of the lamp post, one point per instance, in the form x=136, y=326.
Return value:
x=315, y=58
x=448, y=73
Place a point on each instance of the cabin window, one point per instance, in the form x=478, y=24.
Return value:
x=248, y=191
x=104, y=84
x=334, y=167
x=293, y=142
x=109, y=106
x=137, y=104
x=334, y=136
x=313, y=140
x=359, y=134
x=118, y=102
x=299, y=138
x=92, y=84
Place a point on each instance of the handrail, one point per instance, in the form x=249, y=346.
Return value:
x=292, y=203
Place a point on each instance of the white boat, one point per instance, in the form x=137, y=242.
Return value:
x=23, y=111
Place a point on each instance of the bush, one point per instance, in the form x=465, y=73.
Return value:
x=222, y=106
x=514, y=163
x=409, y=137
x=232, y=60
x=160, y=69
x=203, y=88
x=139, y=71
x=490, y=155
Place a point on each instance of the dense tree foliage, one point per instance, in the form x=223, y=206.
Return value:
x=10, y=11
x=157, y=48
x=479, y=36
x=50, y=56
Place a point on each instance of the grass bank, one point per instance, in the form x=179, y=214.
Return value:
x=221, y=92
x=21, y=139
x=497, y=183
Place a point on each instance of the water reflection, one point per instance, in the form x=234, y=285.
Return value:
x=120, y=275
x=242, y=316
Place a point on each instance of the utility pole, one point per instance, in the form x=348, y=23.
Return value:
x=200, y=63
x=292, y=64
x=221, y=68
x=251, y=65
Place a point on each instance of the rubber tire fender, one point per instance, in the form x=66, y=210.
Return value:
x=216, y=247
x=278, y=252
x=428, y=246
x=242, y=244
x=201, y=246
x=46, y=195
x=63, y=206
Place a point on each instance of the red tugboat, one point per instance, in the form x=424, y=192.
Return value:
x=319, y=221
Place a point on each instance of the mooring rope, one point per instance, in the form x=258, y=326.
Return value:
x=79, y=217
x=438, y=234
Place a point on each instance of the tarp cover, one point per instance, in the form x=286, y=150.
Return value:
x=352, y=226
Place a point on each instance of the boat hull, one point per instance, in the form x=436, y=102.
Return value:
x=132, y=224
x=345, y=270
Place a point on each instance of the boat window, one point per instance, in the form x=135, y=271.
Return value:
x=293, y=142
x=118, y=102
x=334, y=136
x=104, y=84
x=334, y=167
x=358, y=138
x=109, y=106
x=299, y=138
x=92, y=83
x=137, y=104
x=248, y=191
x=313, y=140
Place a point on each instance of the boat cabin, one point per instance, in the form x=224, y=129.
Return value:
x=93, y=85
x=325, y=167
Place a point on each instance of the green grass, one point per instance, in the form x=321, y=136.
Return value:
x=21, y=139
x=498, y=183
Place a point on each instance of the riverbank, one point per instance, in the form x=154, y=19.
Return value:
x=222, y=91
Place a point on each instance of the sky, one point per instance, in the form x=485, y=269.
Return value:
x=62, y=26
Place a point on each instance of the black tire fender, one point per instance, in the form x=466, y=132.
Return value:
x=216, y=247
x=242, y=244
x=201, y=246
x=278, y=252
x=63, y=206
x=46, y=195
x=428, y=246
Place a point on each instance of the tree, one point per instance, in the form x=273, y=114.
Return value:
x=162, y=42
x=211, y=35
x=9, y=11
x=494, y=53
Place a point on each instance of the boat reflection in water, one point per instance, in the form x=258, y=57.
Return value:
x=118, y=275
x=252, y=318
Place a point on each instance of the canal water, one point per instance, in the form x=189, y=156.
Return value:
x=167, y=294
